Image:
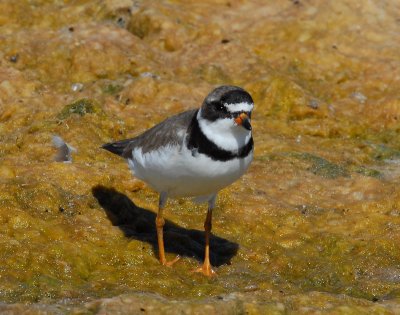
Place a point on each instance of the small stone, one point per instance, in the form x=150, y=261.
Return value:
x=360, y=97
x=121, y=22
x=14, y=58
x=77, y=87
x=64, y=150
x=394, y=213
x=149, y=75
x=251, y=287
x=313, y=104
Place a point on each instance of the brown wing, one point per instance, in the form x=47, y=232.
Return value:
x=170, y=131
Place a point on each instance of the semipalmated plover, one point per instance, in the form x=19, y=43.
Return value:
x=194, y=154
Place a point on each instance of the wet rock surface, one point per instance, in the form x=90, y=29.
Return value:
x=312, y=227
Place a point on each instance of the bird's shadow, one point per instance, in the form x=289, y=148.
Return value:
x=139, y=223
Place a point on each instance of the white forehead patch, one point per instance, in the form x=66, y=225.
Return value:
x=239, y=107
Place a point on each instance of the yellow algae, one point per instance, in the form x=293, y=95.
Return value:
x=6, y=172
x=18, y=222
x=312, y=227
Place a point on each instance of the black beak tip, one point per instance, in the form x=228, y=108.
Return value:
x=246, y=125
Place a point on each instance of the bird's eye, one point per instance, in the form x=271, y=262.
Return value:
x=218, y=106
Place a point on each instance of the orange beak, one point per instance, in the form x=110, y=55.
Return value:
x=243, y=120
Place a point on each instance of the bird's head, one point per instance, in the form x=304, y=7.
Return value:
x=230, y=106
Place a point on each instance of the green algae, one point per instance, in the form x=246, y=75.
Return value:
x=81, y=107
x=112, y=88
x=366, y=171
x=322, y=167
x=383, y=152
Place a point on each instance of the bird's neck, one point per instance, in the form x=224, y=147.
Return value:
x=198, y=142
x=224, y=133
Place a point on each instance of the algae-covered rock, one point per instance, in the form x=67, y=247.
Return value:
x=289, y=100
x=214, y=74
x=81, y=107
x=112, y=88
x=322, y=167
x=366, y=171
x=312, y=227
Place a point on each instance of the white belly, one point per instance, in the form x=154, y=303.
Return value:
x=176, y=171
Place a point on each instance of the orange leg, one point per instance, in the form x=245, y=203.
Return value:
x=206, y=269
x=160, y=222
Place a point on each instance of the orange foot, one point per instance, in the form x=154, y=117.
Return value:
x=206, y=270
x=170, y=263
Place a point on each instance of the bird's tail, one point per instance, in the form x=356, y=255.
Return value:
x=118, y=147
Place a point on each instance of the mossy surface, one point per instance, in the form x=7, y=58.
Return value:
x=80, y=107
x=312, y=227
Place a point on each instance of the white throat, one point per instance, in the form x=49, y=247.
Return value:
x=225, y=133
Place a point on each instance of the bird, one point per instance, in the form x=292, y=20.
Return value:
x=195, y=154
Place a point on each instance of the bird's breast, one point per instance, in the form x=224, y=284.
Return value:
x=184, y=172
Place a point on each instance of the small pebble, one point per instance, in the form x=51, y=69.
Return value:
x=394, y=213
x=251, y=287
x=360, y=97
x=77, y=87
x=14, y=58
x=64, y=153
x=149, y=75
x=121, y=22
x=313, y=104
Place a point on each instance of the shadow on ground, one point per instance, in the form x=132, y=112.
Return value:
x=139, y=223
